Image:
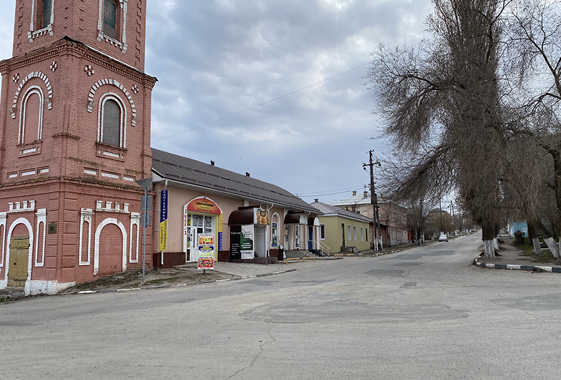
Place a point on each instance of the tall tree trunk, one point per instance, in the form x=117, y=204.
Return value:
x=488, y=233
x=552, y=245
x=533, y=234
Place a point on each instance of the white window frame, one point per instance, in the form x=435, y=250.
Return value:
x=30, y=91
x=122, y=43
x=33, y=33
x=322, y=231
x=122, y=124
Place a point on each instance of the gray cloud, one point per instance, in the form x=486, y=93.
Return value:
x=214, y=58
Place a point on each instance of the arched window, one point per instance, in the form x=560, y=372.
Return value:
x=31, y=118
x=111, y=130
x=110, y=18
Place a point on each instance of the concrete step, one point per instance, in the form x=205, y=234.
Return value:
x=298, y=254
x=11, y=293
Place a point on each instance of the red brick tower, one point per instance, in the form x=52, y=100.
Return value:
x=74, y=137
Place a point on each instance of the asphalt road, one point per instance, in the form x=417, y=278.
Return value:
x=425, y=313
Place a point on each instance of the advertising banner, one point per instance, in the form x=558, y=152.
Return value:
x=219, y=232
x=204, y=206
x=164, y=220
x=206, y=252
x=246, y=242
x=235, y=242
x=262, y=217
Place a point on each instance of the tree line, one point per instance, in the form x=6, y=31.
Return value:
x=474, y=110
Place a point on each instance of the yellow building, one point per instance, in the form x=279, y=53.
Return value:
x=341, y=229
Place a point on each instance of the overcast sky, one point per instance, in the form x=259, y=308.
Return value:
x=275, y=88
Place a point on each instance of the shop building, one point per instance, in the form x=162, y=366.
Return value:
x=342, y=230
x=392, y=217
x=248, y=220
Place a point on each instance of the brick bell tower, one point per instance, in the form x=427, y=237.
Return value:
x=74, y=137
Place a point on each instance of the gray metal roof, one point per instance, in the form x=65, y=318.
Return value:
x=194, y=173
x=329, y=210
x=362, y=198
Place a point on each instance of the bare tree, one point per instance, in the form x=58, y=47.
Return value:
x=534, y=45
x=442, y=104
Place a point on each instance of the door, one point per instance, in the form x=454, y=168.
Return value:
x=260, y=244
x=19, y=260
x=310, y=238
x=343, y=232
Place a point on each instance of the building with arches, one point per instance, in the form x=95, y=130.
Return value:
x=74, y=138
x=204, y=199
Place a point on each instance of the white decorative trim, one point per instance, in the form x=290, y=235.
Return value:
x=35, y=74
x=21, y=206
x=111, y=154
x=110, y=175
x=128, y=179
x=41, y=32
x=32, y=150
x=98, y=234
x=90, y=172
x=115, y=83
x=13, y=175
x=41, y=218
x=109, y=207
x=102, y=36
x=44, y=171
x=30, y=91
x=28, y=173
x=3, y=217
x=135, y=221
x=122, y=124
x=86, y=215
x=16, y=222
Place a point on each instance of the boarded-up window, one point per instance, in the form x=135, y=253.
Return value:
x=30, y=130
x=111, y=128
x=110, y=18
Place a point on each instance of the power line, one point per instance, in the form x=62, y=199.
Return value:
x=262, y=104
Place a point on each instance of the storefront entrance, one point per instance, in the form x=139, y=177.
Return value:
x=198, y=224
x=19, y=261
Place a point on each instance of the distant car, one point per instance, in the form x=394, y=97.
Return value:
x=443, y=237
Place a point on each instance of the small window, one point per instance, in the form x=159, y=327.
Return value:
x=354, y=230
x=362, y=234
x=349, y=237
x=110, y=18
x=111, y=123
x=322, y=231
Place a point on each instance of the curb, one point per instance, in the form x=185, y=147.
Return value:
x=177, y=285
x=530, y=268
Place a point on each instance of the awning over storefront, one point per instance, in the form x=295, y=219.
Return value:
x=295, y=218
x=242, y=217
x=313, y=221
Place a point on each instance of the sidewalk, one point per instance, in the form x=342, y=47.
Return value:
x=513, y=258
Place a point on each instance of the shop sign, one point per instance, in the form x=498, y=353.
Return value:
x=220, y=232
x=275, y=233
x=204, y=206
x=235, y=242
x=262, y=217
x=206, y=252
x=246, y=242
x=164, y=220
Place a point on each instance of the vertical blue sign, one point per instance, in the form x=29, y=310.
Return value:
x=164, y=220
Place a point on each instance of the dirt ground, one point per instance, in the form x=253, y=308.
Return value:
x=185, y=274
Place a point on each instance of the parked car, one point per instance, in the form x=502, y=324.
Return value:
x=443, y=237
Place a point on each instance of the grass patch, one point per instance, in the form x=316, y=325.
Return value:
x=528, y=251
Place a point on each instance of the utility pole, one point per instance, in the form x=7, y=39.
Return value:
x=374, y=199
